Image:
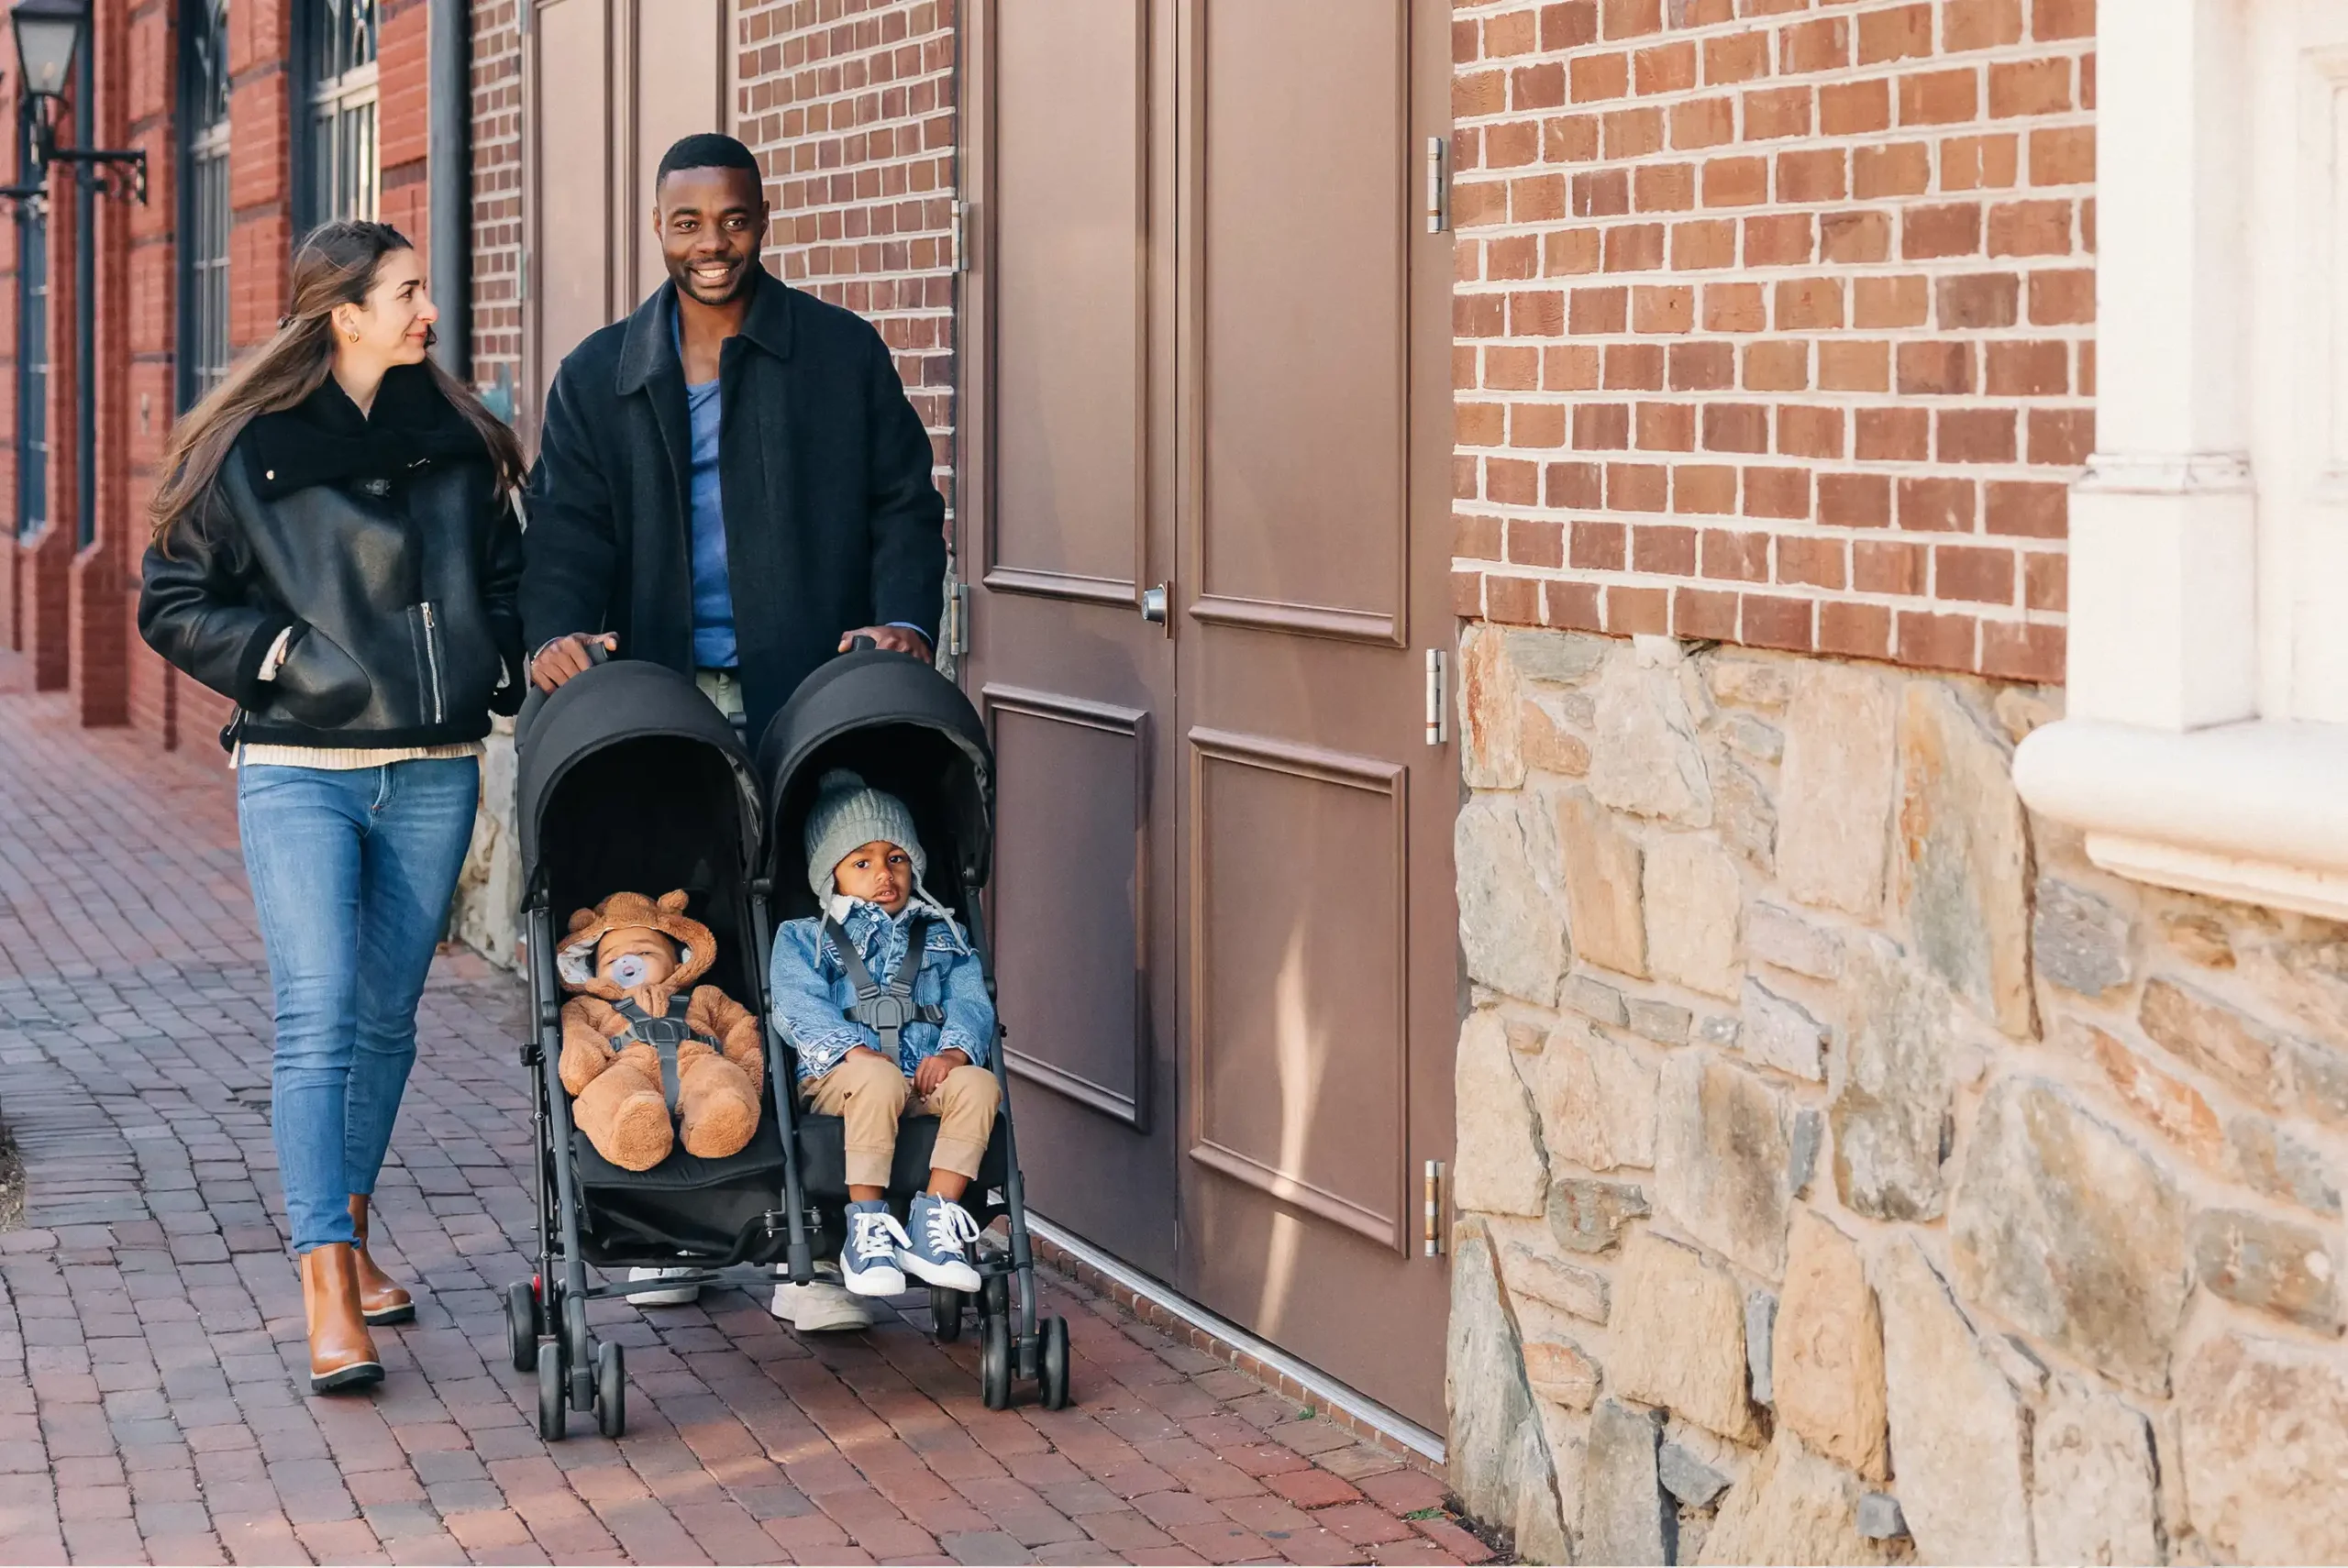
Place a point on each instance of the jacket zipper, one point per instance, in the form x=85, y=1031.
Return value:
x=432, y=658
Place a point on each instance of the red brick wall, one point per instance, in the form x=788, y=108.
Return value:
x=850, y=106
x=403, y=86
x=1774, y=320
x=496, y=194
x=150, y=87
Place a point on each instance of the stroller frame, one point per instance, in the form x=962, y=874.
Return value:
x=547, y=1315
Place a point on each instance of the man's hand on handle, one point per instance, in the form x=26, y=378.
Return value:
x=896, y=639
x=566, y=656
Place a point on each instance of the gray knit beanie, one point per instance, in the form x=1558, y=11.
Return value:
x=849, y=814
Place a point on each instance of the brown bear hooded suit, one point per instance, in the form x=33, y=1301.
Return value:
x=615, y=1081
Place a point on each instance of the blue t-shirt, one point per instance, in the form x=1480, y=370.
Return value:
x=714, y=646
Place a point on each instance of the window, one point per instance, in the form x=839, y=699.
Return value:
x=340, y=147
x=2206, y=728
x=32, y=366
x=203, y=185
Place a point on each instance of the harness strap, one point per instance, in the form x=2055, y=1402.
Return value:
x=665, y=1034
x=886, y=1009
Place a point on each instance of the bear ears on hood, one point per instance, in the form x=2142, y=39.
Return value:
x=575, y=959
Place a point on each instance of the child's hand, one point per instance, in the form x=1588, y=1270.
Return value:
x=933, y=1070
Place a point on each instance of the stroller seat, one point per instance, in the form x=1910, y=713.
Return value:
x=714, y=1210
x=823, y=1165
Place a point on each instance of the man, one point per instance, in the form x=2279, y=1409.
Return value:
x=731, y=482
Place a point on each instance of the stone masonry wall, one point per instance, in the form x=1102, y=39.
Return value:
x=1774, y=320
x=1849, y=1172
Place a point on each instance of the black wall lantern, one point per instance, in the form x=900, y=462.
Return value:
x=50, y=37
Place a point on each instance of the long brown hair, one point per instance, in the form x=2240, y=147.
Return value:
x=336, y=266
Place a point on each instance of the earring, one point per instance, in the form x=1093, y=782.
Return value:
x=353, y=335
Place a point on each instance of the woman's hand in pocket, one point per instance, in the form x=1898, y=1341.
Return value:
x=318, y=684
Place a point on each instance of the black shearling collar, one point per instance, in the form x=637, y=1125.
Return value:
x=323, y=439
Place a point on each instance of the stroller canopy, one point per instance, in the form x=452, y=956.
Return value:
x=629, y=779
x=903, y=728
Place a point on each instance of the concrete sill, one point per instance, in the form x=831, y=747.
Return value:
x=2256, y=811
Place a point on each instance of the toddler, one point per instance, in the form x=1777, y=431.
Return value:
x=880, y=929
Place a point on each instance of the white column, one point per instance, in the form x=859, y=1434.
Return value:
x=2164, y=552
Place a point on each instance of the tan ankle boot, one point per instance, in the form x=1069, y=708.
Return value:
x=380, y=1297
x=342, y=1355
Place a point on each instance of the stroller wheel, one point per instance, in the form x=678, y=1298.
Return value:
x=945, y=1313
x=1053, y=1374
x=522, y=1325
x=553, y=1422
x=994, y=1361
x=994, y=1298
x=611, y=1390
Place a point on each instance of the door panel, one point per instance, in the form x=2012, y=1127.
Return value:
x=1070, y=274
x=1298, y=964
x=1065, y=502
x=679, y=65
x=611, y=84
x=1301, y=402
x=1076, y=904
x=571, y=143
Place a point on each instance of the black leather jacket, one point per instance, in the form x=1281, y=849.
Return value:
x=381, y=545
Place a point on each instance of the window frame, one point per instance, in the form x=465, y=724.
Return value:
x=328, y=102
x=202, y=153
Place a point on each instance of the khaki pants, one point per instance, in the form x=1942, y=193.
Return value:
x=871, y=1094
x=722, y=687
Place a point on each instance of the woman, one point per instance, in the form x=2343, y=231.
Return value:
x=336, y=550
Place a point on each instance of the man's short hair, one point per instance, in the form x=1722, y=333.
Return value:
x=704, y=150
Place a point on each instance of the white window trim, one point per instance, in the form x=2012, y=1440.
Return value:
x=2205, y=741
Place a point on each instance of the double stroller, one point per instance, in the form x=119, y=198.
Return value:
x=632, y=780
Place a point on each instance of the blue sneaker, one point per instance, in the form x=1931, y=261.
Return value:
x=938, y=1249
x=868, y=1257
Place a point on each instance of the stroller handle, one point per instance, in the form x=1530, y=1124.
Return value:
x=598, y=651
x=861, y=645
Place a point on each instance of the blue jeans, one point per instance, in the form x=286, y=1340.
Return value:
x=351, y=874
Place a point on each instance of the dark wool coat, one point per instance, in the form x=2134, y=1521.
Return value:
x=832, y=521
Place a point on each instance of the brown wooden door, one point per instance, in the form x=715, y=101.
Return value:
x=1322, y=998
x=610, y=85
x=1066, y=485
x=1209, y=341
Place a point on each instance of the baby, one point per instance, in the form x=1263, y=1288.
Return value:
x=651, y=1058
x=865, y=862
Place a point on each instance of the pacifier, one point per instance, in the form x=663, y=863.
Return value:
x=629, y=970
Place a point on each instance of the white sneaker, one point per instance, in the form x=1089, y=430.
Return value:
x=676, y=1296
x=868, y=1259
x=823, y=1306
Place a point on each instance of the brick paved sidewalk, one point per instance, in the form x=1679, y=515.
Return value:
x=150, y=1324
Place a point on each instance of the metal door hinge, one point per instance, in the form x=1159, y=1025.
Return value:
x=961, y=237
x=1438, y=184
x=958, y=619
x=1438, y=697
x=1433, y=1235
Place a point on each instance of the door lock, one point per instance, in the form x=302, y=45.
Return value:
x=1153, y=606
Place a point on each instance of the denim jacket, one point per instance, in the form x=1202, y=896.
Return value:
x=813, y=993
